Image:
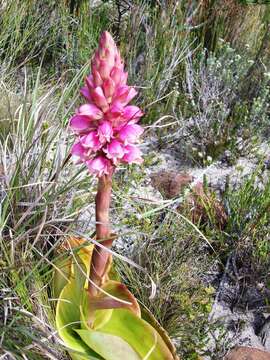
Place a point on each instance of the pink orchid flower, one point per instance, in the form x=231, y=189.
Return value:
x=105, y=127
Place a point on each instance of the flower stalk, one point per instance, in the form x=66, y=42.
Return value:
x=100, y=256
x=107, y=134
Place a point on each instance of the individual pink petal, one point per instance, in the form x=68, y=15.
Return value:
x=91, y=141
x=133, y=155
x=125, y=94
x=131, y=94
x=115, y=151
x=86, y=93
x=132, y=112
x=130, y=133
x=109, y=88
x=105, y=131
x=99, y=166
x=115, y=111
x=99, y=98
x=77, y=152
x=91, y=111
x=80, y=123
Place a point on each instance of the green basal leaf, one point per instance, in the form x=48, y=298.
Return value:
x=111, y=347
x=68, y=316
x=61, y=276
x=150, y=319
x=141, y=336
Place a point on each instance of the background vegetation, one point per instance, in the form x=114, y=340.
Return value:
x=202, y=68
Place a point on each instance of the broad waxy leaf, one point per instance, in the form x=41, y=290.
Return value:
x=111, y=347
x=150, y=319
x=104, y=328
x=137, y=333
x=68, y=317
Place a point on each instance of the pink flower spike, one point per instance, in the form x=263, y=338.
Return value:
x=115, y=151
x=133, y=155
x=80, y=123
x=105, y=127
x=130, y=133
x=91, y=111
x=105, y=131
x=99, y=99
x=99, y=166
x=132, y=112
x=77, y=152
x=91, y=141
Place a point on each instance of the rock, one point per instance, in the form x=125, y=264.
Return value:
x=247, y=353
x=170, y=183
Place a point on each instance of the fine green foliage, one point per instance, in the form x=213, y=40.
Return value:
x=202, y=71
x=37, y=205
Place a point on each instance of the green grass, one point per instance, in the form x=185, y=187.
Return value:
x=38, y=205
x=44, y=52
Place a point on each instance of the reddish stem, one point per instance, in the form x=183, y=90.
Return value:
x=103, y=233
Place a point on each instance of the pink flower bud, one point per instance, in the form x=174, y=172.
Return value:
x=96, y=76
x=116, y=75
x=115, y=151
x=91, y=141
x=133, y=155
x=130, y=133
x=106, y=40
x=104, y=69
x=105, y=131
x=109, y=88
x=99, y=98
x=99, y=166
x=95, y=61
x=91, y=111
